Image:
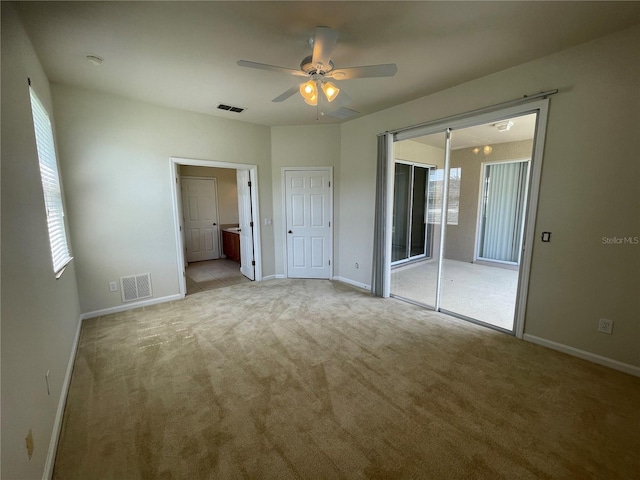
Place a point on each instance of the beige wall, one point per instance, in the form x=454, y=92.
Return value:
x=227, y=190
x=301, y=146
x=40, y=315
x=460, y=241
x=589, y=189
x=115, y=155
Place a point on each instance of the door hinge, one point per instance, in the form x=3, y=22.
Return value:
x=329, y=262
x=329, y=223
x=253, y=262
x=329, y=184
x=249, y=184
x=251, y=224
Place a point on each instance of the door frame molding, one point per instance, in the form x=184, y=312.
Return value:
x=215, y=182
x=174, y=164
x=283, y=171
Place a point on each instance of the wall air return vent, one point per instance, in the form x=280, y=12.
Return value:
x=136, y=287
x=229, y=108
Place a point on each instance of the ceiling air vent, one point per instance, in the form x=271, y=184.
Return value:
x=229, y=108
x=343, y=113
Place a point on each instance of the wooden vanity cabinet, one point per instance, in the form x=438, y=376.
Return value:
x=231, y=245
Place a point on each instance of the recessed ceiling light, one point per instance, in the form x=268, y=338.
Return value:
x=504, y=126
x=94, y=60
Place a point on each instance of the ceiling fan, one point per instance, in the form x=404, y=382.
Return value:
x=319, y=68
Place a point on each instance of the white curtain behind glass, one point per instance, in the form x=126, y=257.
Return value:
x=504, y=199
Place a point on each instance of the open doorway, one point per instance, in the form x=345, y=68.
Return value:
x=475, y=209
x=216, y=220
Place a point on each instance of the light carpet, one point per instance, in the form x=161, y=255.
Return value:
x=315, y=379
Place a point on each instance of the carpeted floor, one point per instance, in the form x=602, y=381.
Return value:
x=315, y=379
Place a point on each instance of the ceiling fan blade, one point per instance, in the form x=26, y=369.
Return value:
x=323, y=45
x=273, y=68
x=282, y=97
x=342, y=100
x=369, y=71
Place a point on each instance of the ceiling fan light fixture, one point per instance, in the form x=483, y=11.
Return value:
x=313, y=100
x=330, y=91
x=308, y=90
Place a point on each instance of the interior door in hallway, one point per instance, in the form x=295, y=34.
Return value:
x=247, y=263
x=308, y=223
x=200, y=210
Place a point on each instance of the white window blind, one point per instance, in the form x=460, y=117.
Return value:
x=50, y=185
x=435, y=195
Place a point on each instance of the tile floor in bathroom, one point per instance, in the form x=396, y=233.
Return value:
x=212, y=274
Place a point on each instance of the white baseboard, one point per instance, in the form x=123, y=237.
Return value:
x=592, y=357
x=273, y=277
x=131, y=306
x=353, y=282
x=57, y=424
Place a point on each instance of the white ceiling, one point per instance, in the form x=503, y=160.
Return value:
x=184, y=54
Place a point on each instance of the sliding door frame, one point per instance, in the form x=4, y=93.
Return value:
x=459, y=122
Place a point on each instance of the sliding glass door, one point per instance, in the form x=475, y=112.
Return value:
x=411, y=237
x=458, y=225
x=502, y=209
x=417, y=215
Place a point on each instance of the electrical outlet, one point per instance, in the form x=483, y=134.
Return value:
x=113, y=286
x=357, y=265
x=29, y=440
x=605, y=326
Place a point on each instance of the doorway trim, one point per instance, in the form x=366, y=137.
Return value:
x=284, y=214
x=174, y=163
x=539, y=106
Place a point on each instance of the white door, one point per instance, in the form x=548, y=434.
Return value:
x=247, y=264
x=200, y=209
x=308, y=223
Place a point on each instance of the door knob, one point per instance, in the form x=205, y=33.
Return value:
x=289, y=231
x=214, y=224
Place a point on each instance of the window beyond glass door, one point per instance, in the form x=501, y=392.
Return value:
x=401, y=211
x=411, y=237
x=419, y=246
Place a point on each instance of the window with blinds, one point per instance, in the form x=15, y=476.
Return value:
x=50, y=185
